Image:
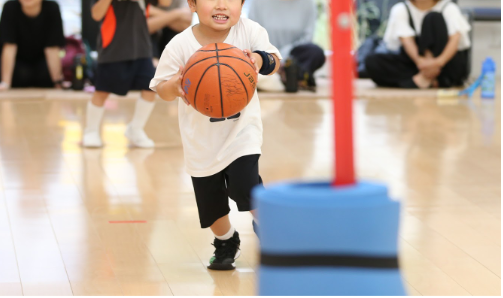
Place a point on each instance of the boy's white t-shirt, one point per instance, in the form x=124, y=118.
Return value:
x=399, y=26
x=209, y=147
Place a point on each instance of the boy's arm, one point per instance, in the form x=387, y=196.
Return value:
x=99, y=9
x=167, y=81
x=171, y=89
x=259, y=62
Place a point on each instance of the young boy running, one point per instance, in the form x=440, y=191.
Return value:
x=222, y=157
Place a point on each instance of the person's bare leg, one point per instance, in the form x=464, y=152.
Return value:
x=221, y=226
x=148, y=95
x=254, y=213
x=99, y=98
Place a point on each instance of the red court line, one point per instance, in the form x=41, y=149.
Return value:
x=127, y=221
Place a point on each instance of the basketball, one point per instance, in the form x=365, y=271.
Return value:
x=219, y=80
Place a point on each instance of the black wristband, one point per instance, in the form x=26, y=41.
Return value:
x=268, y=63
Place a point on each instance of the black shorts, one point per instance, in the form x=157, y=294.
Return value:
x=121, y=77
x=236, y=181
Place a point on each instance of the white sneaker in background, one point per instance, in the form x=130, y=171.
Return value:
x=92, y=139
x=137, y=137
x=270, y=83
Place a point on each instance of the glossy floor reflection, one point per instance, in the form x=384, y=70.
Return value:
x=57, y=200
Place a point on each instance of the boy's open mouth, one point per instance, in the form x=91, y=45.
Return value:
x=220, y=17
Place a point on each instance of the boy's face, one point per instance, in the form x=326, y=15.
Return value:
x=217, y=14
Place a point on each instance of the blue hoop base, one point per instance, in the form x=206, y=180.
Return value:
x=302, y=220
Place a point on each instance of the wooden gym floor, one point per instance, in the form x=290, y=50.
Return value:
x=121, y=221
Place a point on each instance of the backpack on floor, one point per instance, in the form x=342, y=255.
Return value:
x=73, y=47
x=372, y=17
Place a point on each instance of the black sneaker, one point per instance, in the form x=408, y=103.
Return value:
x=308, y=83
x=226, y=252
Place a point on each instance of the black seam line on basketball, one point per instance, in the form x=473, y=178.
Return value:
x=220, y=82
x=232, y=57
x=244, y=86
x=313, y=260
x=185, y=71
x=217, y=50
x=199, y=83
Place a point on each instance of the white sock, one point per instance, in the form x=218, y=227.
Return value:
x=142, y=112
x=227, y=235
x=94, y=115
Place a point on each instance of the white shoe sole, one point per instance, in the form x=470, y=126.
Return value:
x=134, y=144
x=91, y=145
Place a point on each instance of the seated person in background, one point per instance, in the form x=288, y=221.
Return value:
x=166, y=19
x=432, y=39
x=290, y=24
x=31, y=35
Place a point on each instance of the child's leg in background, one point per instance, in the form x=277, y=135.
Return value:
x=431, y=44
x=99, y=98
x=434, y=36
x=148, y=95
x=391, y=70
x=310, y=58
x=433, y=40
x=115, y=77
x=94, y=115
x=144, y=71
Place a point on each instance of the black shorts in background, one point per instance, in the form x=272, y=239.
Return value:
x=236, y=181
x=121, y=77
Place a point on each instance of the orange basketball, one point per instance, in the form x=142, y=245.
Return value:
x=219, y=80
